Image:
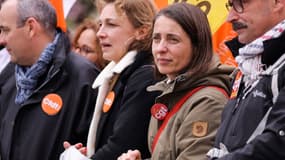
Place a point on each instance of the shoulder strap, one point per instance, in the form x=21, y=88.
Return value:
x=272, y=70
x=274, y=82
x=176, y=108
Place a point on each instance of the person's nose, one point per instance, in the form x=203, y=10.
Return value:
x=2, y=40
x=161, y=46
x=101, y=33
x=232, y=15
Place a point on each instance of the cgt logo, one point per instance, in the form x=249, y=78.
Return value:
x=51, y=104
x=159, y=111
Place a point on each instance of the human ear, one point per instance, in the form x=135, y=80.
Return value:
x=141, y=32
x=279, y=5
x=32, y=26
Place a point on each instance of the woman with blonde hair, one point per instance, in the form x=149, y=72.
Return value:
x=122, y=110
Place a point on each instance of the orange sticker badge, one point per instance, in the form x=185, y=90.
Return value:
x=52, y=104
x=236, y=85
x=109, y=101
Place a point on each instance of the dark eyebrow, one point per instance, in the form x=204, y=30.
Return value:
x=4, y=27
x=1, y=29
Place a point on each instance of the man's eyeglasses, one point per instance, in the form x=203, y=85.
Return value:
x=237, y=5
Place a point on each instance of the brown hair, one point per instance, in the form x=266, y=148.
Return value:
x=140, y=13
x=195, y=23
x=89, y=24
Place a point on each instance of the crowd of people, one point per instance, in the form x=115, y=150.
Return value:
x=141, y=83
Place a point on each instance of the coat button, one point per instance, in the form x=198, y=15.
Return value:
x=281, y=133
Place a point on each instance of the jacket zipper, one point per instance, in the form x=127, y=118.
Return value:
x=234, y=112
x=236, y=106
x=45, y=82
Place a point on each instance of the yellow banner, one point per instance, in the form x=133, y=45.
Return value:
x=215, y=10
x=222, y=31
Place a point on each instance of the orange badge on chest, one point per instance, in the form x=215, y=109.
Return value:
x=200, y=129
x=109, y=101
x=51, y=104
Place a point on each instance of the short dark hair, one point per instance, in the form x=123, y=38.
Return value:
x=195, y=23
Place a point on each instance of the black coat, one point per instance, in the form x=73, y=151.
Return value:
x=29, y=133
x=125, y=125
x=242, y=114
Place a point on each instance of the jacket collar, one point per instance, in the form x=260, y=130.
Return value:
x=273, y=49
x=61, y=51
x=115, y=68
x=167, y=86
x=217, y=75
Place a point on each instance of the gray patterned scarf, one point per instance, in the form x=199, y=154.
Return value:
x=27, y=77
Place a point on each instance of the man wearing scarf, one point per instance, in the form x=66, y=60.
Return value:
x=49, y=98
x=253, y=122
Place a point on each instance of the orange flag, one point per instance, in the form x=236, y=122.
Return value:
x=224, y=33
x=58, y=5
x=161, y=3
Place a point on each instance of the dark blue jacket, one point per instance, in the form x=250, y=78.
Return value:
x=242, y=114
x=26, y=131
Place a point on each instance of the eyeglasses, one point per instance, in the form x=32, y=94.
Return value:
x=84, y=49
x=237, y=5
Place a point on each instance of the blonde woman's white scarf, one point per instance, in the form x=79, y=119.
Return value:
x=102, y=81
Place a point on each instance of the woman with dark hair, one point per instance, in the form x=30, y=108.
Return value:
x=187, y=114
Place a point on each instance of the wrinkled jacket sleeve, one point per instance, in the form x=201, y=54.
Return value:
x=271, y=143
x=207, y=107
x=131, y=125
x=85, y=106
